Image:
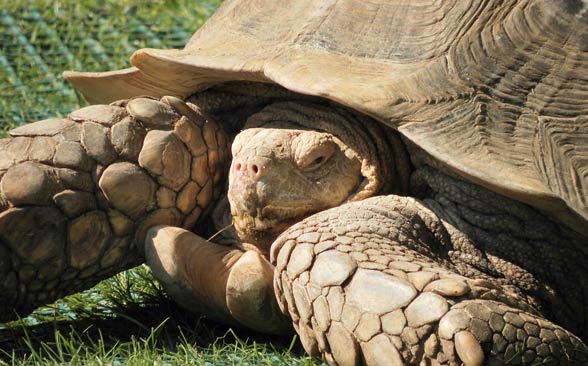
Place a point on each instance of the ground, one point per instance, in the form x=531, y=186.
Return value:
x=126, y=320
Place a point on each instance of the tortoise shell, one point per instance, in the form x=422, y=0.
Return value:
x=493, y=90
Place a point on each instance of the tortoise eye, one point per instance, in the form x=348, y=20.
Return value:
x=315, y=163
x=318, y=160
x=316, y=157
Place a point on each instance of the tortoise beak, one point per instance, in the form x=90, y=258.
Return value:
x=244, y=179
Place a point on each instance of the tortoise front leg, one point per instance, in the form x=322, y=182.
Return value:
x=369, y=283
x=227, y=283
x=77, y=193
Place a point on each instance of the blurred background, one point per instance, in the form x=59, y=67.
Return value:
x=39, y=39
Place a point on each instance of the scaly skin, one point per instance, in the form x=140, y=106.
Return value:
x=462, y=276
x=280, y=174
x=451, y=279
x=77, y=194
x=387, y=281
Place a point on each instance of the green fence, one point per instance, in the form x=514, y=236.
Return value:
x=41, y=39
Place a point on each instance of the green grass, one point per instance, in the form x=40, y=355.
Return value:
x=125, y=320
x=39, y=39
x=128, y=320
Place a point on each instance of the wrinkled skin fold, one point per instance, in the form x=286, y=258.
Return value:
x=437, y=279
x=381, y=281
x=389, y=279
x=463, y=237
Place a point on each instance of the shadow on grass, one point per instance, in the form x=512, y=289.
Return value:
x=120, y=323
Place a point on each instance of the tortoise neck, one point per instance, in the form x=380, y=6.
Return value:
x=539, y=260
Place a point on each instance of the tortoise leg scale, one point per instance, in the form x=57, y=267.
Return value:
x=368, y=283
x=78, y=193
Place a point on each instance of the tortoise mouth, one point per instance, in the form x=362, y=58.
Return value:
x=259, y=232
x=268, y=223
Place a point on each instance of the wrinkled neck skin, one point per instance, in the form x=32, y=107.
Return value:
x=294, y=159
x=542, y=262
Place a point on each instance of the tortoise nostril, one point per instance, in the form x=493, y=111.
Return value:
x=254, y=169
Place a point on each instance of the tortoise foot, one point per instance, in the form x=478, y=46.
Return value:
x=363, y=285
x=224, y=282
x=250, y=295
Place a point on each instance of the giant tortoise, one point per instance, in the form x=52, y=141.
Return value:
x=409, y=186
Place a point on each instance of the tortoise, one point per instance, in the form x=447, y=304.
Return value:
x=450, y=137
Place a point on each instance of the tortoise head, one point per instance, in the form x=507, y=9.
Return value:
x=294, y=159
